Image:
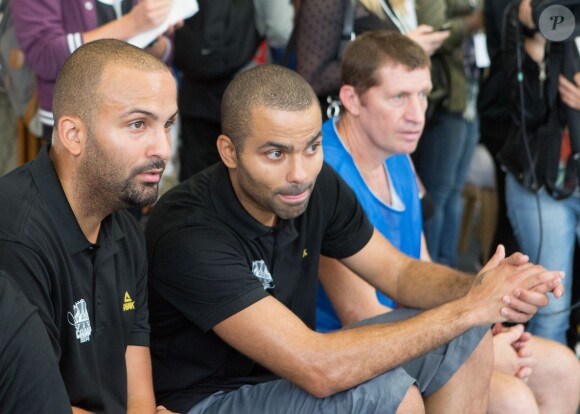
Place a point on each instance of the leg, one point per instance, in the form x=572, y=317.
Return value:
x=555, y=380
x=452, y=215
x=388, y=393
x=467, y=391
x=510, y=395
x=558, y=238
x=439, y=155
x=453, y=378
x=412, y=402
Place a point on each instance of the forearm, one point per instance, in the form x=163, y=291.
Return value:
x=353, y=356
x=442, y=285
x=324, y=364
x=140, y=398
x=122, y=29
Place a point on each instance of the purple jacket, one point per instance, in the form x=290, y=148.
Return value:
x=48, y=31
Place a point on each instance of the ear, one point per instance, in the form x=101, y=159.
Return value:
x=71, y=134
x=227, y=150
x=350, y=99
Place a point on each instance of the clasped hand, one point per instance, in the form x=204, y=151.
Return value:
x=512, y=289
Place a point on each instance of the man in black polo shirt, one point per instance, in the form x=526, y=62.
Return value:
x=234, y=255
x=64, y=237
x=30, y=381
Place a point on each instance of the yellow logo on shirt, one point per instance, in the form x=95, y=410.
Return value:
x=304, y=253
x=128, y=303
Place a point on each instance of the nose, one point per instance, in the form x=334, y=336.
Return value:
x=415, y=110
x=297, y=172
x=160, y=144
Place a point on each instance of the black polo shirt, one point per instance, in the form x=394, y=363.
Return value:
x=91, y=298
x=209, y=259
x=29, y=379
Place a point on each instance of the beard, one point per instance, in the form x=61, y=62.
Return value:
x=265, y=198
x=107, y=185
x=135, y=193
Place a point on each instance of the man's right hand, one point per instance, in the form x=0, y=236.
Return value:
x=512, y=289
x=511, y=356
x=149, y=14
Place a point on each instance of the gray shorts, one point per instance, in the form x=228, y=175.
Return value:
x=382, y=394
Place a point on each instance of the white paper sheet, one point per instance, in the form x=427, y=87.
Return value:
x=481, y=55
x=180, y=10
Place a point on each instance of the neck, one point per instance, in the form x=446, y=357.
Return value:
x=367, y=158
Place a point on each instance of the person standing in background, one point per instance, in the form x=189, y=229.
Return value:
x=445, y=150
x=48, y=31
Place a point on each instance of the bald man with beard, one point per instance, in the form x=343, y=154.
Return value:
x=65, y=237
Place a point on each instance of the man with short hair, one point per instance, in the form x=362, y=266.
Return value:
x=65, y=237
x=234, y=255
x=369, y=147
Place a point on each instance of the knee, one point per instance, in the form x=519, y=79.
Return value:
x=510, y=395
x=412, y=402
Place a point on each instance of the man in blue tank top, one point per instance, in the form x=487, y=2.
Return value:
x=382, y=118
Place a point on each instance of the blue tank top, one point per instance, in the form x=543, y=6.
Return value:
x=402, y=228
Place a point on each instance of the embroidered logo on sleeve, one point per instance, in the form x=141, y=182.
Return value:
x=128, y=303
x=79, y=318
x=304, y=253
x=260, y=270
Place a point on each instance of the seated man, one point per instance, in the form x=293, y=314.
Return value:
x=30, y=381
x=384, y=105
x=64, y=236
x=234, y=255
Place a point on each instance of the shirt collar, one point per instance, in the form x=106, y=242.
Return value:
x=229, y=208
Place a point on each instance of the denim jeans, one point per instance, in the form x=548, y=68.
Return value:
x=443, y=163
x=560, y=229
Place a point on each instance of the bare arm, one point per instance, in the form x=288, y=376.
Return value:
x=324, y=364
x=352, y=298
x=140, y=398
x=403, y=278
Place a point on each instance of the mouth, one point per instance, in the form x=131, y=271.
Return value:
x=411, y=135
x=151, y=176
x=295, y=198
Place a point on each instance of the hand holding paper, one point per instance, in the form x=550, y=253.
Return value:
x=180, y=9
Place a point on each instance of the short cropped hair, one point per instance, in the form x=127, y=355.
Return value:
x=270, y=86
x=369, y=52
x=78, y=82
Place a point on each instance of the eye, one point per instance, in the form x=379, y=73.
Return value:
x=312, y=148
x=423, y=95
x=398, y=100
x=274, y=155
x=169, y=123
x=137, y=125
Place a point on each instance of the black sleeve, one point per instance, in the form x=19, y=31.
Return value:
x=202, y=270
x=31, y=274
x=30, y=380
x=348, y=229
